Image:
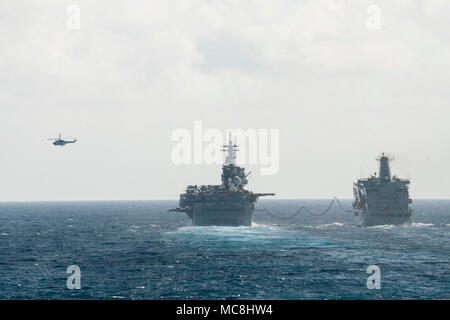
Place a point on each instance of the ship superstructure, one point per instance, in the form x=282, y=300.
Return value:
x=227, y=204
x=382, y=200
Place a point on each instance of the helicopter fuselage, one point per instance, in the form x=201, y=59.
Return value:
x=62, y=143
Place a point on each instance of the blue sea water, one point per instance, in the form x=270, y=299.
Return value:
x=137, y=250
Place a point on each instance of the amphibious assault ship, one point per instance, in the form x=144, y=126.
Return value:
x=382, y=200
x=227, y=204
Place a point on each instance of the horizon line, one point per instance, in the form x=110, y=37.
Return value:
x=176, y=199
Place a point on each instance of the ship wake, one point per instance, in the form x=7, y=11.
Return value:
x=256, y=237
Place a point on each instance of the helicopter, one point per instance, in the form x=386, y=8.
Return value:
x=61, y=142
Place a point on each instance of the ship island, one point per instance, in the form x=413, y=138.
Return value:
x=227, y=204
x=382, y=199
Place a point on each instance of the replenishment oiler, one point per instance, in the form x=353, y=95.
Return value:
x=227, y=204
x=382, y=200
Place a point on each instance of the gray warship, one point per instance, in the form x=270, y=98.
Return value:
x=227, y=204
x=382, y=200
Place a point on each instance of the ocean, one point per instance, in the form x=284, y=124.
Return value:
x=138, y=250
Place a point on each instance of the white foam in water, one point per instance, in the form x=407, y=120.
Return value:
x=254, y=224
x=418, y=224
x=232, y=233
x=245, y=237
x=334, y=224
x=384, y=226
x=392, y=226
x=324, y=226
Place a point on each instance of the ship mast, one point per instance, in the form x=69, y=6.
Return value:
x=230, y=149
x=385, y=172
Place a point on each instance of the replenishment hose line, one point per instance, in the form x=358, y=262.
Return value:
x=304, y=208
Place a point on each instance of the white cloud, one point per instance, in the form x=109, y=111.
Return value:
x=339, y=92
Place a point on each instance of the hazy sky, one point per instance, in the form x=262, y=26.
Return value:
x=339, y=92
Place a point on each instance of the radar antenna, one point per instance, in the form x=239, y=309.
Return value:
x=231, y=150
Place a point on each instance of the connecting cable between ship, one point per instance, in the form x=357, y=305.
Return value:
x=304, y=208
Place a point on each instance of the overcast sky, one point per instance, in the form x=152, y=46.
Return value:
x=339, y=92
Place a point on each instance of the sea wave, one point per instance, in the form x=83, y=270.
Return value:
x=383, y=226
x=328, y=225
x=392, y=226
x=420, y=225
x=245, y=237
x=324, y=226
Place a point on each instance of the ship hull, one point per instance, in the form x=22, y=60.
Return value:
x=210, y=215
x=366, y=218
